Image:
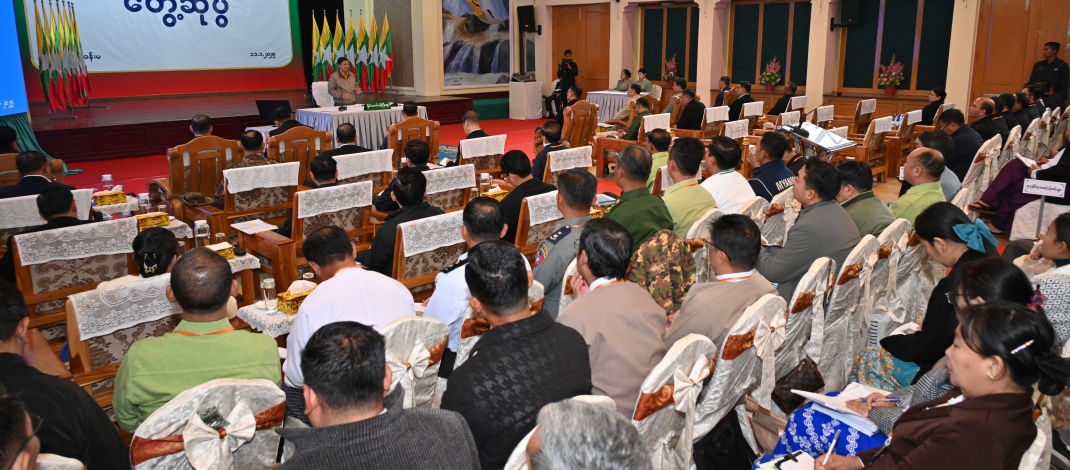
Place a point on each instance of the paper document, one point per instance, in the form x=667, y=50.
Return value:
x=603, y=200
x=802, y=461
x=836, y=407
x=253, y=226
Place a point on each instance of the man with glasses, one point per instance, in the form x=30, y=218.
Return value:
x=966, y=142
x=19, y=444
x=737, y=241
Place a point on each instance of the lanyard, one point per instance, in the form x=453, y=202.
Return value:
x=608, y=283
x=213, y=333
x=736, y=278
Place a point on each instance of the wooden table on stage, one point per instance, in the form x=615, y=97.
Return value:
x=371, y=125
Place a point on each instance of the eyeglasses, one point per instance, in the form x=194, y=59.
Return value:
x=35, y=422
x=711, y=244
x=951, y=296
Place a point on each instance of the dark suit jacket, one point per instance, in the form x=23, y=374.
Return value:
x=990, y=126
x=691, y=116
x=538, y=165
x=964, y=145
x=290, y=124
x=736, y=110
x=511, y=203
x=476, y=134
x=1015, y=119
x=928, y=113
x=383, y=202
x=720, y=97
x=560, y=118
x=781, y=105
x=7, y=263
x=380, y=257
x=344, y=149
x=28, y=186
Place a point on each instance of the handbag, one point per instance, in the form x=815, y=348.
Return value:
x=805, y=377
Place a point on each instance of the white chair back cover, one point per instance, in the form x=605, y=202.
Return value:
x=1061, y=131
x=716, y=114
x=736, y=129
x=701, y=230
x=239, y=401
x=983, y=162
x=797, y=102
x=359, y=164
x=840, y=131
x=58, y=462
x=790, y=118
x=561, y=160
x=755, y=208
x=1038, y=455
x=962, y=200
x=318, y=201
x=542, y=208
x=483, y=146
x=755, y=108
x=21, y=212
x=110, y=237
x=775, y=227
x=1010, y=149
x=103, y=311
x=1028, y=147
x=824, y=113
x=1044, y=132
x=322, y=95
x=883, y=319
x=240, y=180
x=566, y=298
x=414, y=348
x=655, y=92
x=914, y=281
x=867, y=106
x=665, y=410
x=518, y=460
x=429, y=233
x=1026, y=217
x=768, y=338
x=848, y=310
x=656, y=121
x=448, y=179
x=806, y=315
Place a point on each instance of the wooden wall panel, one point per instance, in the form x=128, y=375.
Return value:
x=585, y=30
x=1010, y=35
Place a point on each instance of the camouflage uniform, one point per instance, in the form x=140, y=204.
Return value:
x=664, y=267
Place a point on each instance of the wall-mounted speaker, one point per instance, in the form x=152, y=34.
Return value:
x=525, y=15
x=849, y=12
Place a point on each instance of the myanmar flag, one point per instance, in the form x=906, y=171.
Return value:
x=386, y=52
x=316, y=59
x=373, y=58
x=362, y=55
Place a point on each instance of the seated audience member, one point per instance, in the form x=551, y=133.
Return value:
x=640, y=212
x=407, y=190
x=966, y=142
x=922, y=170
x=346, y=377
x=691, y=116
x=1004, y=196
x=941, y=142
x=624, y=112
x=1055, y=247
x=252, y=142
x=953, y=241
x=156, y=369
x=1052, y=99
x=342, y=85
x=56, y=205
x=470, y=124
x=284, y=121
x=685, y=199
x=419, y=153
x=19, y=444
x=9, y=140
x=657, y=143
x=347, y=142
x=642, y=109
x=322, y=173
x=1007, y=112
x=984, y=281
x=771, y=175
x=724, y=85
x=856, y=196
x=483, y=221
x=1021, y=110
x=551, y=141
x=409, y=110
x=620, y=322
x=516, y=171
x=642, y=81
x=574, y=434
x=999, y=352
x=36, y=176
x=624, y=82
x=737, y=242
x=500, y=405
x=575, y=195
x=735, y=110
x=200, y=126
x=936, y=100
x=781, y=105
x=678, y=87
x=72, y=423
x=823, y=228
x=730, y=190
x=985, y=121
x=346, y=292
x=572, y=96
x=1036, y=101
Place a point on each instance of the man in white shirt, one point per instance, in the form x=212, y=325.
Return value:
x=483, y=221
x=347, y=292
x=730, y=190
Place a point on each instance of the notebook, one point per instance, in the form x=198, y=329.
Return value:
x=836, y=407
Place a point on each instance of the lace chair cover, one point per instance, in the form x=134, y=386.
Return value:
x=1025, y=218
x=321, y=95
x=447, y=179
x=21, y=212
x=780, y=217
x=806, y=316
x=883, y=319
x=665, y=410
x=360, y=164
x=518, y=460
x=824, y=113
x=913, y=117
x=240, y=180
x=867, y=106
x=103, y=311
x=700, y=231
x=790, y=118
x=414, y=347
x=1028, y=147
x=755, y=208
x=428, y=234
x=482, y=152
x=81, y=241
x=755, y=108
x=656, y=121
x=1010, y=149
x=840, y=131
x=542, y=208
x=318, y=201
x=736, y=129
x=847, y=314
x=566, y=296
x=915, y=279
x=717, y=114
x=663, y=266
x=175, y=437
x=797, y=102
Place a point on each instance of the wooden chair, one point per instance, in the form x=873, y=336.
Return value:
x=197, y=166
x=579, y=125
x=654, y=96
x=424, y=247
x=661, y=181
x=450, y=188
x=561, y=160
x=538, y=216
x=898, y=145
x=871, y=147
x=412, y=128
x=936, y=118
x=823, y=116
x=484, y=153
x=633, y=109
x=375, y=166
x=254, y=200
x=862, y=116
x=9, y=172
x=752, y=112
x=300, y=144
x=346, y=206
x=677, y=110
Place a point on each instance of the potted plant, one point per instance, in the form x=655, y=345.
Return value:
x=771, y=76
x=891, y=76
x=669, y=75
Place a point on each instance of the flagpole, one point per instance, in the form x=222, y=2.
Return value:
x=88, y=103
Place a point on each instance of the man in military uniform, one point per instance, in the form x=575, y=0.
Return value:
x=640, y=212
x=252, y=142
x=575, y=196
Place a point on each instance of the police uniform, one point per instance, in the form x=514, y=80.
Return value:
x=448, y=304
x=553, y=257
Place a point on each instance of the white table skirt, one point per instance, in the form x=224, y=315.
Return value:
x=609, y=102
x=371, y=125
x=525, y=100
x=273, y=324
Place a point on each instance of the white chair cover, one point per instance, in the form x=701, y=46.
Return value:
x=716, y=114
x=358, y=164
x=1028, y=147
x=775, y=227
x=518, y=460
x=240, y=180
x=448, y=179
x=21, y=212
x=238, y=401
x=656, y=121
x=414, y=348
x=1061, y=133
x=333, y=198
x=797, y=102
x=736, y=129
x=110, y=237
x=579, y=157
x=755, y=108
x=423, y=235
x=1056, y=129
x=883, y=319
x=1038, y=455
x=962, y=200
x=867, y=106
x=1009, y=150
x=1025, y=219
x=881, y=125
x=565, y=298
x=542, y=208
x=790, y=118
x=103, y=311
x=824, y=113
x=321, y=94
x=701, y=230
x=665, y=410
x=806, y=315
x=848, y=311
x=840, y=131
x=58, y=462
x=768, y=338
x=984, y=161
x=913, y=117
x=915, y=280
x=471, y=330
x=1044, y=133
x=483, y=146
x=755, y=208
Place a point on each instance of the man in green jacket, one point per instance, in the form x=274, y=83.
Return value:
x=922, y=170
x=642, y=109
x=640, y=212
x=857, y=198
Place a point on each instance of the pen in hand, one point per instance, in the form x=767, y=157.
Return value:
x=877, y=400
x=832, y=447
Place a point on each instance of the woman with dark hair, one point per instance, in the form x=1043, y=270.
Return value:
x=642, y=81
x=625, y=80
x=1055, y=283
x=936, y=99
x=952, y=240
x=999, y=352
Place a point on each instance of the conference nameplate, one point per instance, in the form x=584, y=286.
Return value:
x=376, y=105
x=1044, y=188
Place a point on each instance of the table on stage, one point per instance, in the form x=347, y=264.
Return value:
x=609, y=102
x=371, y=125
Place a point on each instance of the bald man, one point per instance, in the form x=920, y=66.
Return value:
x=984, y=120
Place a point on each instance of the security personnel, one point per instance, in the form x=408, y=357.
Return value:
x=575, y=196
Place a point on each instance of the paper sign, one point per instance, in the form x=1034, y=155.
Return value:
x=1044, y=188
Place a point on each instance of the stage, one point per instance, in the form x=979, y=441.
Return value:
x=134, y=127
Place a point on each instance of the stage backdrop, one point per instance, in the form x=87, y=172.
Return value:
x=475, y=36
x=164, y=47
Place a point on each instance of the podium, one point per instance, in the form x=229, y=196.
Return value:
x=815, y=141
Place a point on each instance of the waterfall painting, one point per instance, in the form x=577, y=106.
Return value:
x=475, y=42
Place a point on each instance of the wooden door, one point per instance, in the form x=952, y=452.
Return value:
x=585, y=30
x=1010, y=36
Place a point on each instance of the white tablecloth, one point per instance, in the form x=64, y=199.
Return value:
x=180, y=229
x=371, y=125
x=274, y=324
x=110, y=209
x=609, y=102
x=525, y=100
x=263, y=130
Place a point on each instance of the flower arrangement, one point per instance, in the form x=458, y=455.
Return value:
x=891, y=75
x=771, y=75
x=670, y=69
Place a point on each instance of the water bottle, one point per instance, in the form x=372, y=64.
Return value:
x=484, y=183
x=143, y=203
x=163, y=208
x=181, y=248
x=106, y=182
x=221, y=237
x=270, y=301
x=404, y=162
x=310, y=277
x=200, y=233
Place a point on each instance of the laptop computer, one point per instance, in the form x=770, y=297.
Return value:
x=267, y=108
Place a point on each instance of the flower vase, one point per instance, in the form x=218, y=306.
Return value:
x=889, y=91
x=770, y=87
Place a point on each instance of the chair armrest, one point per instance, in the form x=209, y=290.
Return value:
x=41, y=356
x=617, y=122
x=90, y=377
x=208, y=210
x=688, y=133
x=270, y=236
x=379, y=215
x=918, y=129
